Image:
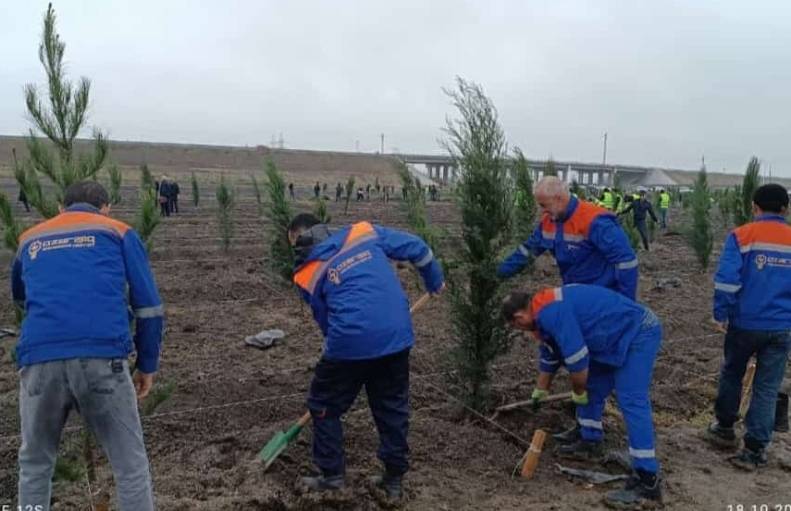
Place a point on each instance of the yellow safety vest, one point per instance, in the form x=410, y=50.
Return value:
x=664, y=200
x=607, y=200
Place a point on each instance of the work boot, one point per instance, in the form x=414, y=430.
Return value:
x=581, y=450
x=781, y=413
x=642, y=490
x=721, y=436
x=749, y=460
x=324, y=483
x=391, y=484
x=569, y=436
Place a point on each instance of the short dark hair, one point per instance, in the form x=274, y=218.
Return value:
x=303, y=222
x=89, y=192
x=513, y=303
x=771, y=198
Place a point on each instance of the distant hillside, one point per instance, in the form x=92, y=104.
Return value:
x=301, y=166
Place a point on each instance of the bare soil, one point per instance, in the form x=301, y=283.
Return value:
x=230, y=399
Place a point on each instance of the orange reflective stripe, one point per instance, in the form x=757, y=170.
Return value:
x=544, y=298
x=359, y=230
x=308, y=276
x=775, y=233
x=582, y=218
x=305, y=277
x=76, y=220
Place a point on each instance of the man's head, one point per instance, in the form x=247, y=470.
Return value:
x=606, y=189
x=553, y=196
x=87, y=192
x=299, y=225
x=516, y=311
x=642, y=194
x=770, y=198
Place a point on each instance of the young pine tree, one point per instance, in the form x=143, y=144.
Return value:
x=524, y=201
x=258, y=196
x=59, y=118
x=415, y=206
x=477, y=143
x=195, y=190
x=282, y=256
x=750, y=183
x=225, y=205
x=115, y=183
x=550, y=169
x=700, y=236
x=349, y=193
x=147, y=218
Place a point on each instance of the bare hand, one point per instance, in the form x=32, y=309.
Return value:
x=143, y=383
x=720, y=326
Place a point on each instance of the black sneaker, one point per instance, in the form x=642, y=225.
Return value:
x=642, y=490
x=581, y=450
x=569, y=436
x=721, y=436
x=749, y=460
x=391, y=484
x=324, y=483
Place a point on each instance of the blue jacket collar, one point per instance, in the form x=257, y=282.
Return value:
x=570, y=209
x=773, y=217
x=83, y=207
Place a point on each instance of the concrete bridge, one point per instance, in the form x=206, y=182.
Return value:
x=444, y=169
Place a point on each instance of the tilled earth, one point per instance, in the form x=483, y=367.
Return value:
x=229, y=399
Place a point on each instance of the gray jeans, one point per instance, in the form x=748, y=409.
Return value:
x=101, y=391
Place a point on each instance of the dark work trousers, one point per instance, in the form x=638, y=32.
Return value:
x=164, y=209
x=771, y=350
x=335, y=386
x=174, y=204
x=641, y=228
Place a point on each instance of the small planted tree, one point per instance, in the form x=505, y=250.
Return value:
x=321, y=211
x=12, y=228
x=349, y=192
x=550, y=169
x=147, y=218
x=700, y=236
x=225, y=205
x=258, y=196
x=282, y=256
x=59, y=119
x=146, y=179
x=195, y=190
x=750, y=183
x=524, y=201
x=477, y=143
x=115, y=183
x=415, y=206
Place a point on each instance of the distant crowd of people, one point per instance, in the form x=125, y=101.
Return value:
x=168, y=193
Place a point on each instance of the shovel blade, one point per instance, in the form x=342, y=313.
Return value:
x=274, y=447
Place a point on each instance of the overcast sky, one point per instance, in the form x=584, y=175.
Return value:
x=668, y=80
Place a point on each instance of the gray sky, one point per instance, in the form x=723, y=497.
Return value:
x=668, y=80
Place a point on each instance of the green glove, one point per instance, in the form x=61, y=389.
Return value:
x=580, y=399
x=537, y=397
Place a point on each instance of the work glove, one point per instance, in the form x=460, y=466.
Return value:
x=536, y=398
x=580, y=399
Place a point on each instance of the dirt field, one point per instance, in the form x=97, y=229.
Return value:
x=230, y=399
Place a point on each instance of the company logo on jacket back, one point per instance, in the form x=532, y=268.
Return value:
x=335, y=273
x=762, y=260
x=71, y=242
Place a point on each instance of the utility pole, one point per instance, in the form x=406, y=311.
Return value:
x=604, y=155
x=382, y=150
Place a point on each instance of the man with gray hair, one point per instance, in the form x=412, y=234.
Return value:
x=586, y=241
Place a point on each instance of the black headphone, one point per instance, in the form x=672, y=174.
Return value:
x=309, y=239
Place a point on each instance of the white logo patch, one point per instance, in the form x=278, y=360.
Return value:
x=71, y=242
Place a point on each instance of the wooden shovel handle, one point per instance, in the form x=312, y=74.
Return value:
x=420, y=303
x=304, y=419
x=554, y=397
